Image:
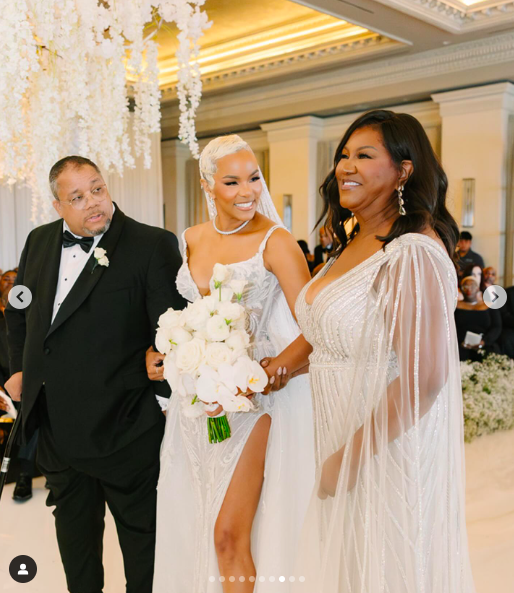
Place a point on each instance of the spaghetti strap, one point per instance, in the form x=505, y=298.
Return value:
x=184, y=245
x=262, y=246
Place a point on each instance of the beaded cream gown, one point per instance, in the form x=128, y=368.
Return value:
x=385, y=381
x=195, y=474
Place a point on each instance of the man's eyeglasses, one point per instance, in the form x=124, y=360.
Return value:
x=98, y=193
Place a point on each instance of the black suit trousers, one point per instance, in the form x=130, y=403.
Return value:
x=80, y=488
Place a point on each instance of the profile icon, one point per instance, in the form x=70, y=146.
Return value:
x=23, y=569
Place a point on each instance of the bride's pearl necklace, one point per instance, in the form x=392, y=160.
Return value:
x=239, y=228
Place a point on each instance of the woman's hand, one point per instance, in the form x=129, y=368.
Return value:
x=3, y=404
x=154, y=365
x=278, y=377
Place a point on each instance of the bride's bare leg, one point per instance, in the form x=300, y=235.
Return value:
x=234, y=524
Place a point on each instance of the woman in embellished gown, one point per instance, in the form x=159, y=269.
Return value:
x=229, y=514
x=387, y=514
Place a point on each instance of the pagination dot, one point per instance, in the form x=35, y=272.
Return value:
x=302, y=579
x=212, y=579
x=282, y=579
x=292, y=579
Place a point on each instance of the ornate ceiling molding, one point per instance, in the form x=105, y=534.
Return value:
x=456, y=16
x=323, y=88
x=310, y=42
x=302, y=61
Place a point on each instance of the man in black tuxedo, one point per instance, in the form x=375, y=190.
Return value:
x=326, y=244
x=78, y=355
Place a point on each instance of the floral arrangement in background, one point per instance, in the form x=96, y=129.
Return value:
x=206, y=360
x=63, y=83
x=488, y=395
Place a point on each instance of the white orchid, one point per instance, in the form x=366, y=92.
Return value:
x=249, y=375
x=210, y=388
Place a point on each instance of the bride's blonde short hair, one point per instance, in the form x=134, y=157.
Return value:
x=217, y=149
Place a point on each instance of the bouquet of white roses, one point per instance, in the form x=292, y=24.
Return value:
x=206, y=360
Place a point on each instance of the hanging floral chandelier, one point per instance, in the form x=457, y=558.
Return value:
x=64, y=66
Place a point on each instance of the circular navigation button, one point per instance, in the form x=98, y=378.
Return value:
x=495, y=297
x=20, y=296
x=23, y=569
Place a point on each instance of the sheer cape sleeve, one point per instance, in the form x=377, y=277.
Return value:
x=388, y=509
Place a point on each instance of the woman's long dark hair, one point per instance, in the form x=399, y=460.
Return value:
x=424, y=192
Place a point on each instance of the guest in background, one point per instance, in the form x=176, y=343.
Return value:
x=4, y=352
x=322, y=251
x=478, y=274
x=308, y=255
x=7, y=280
x=474, y=315
x=489, y=277
x=465, y=254
x=507, y=314
x=27, y=453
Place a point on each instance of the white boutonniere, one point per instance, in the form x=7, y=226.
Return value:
x=101, y=258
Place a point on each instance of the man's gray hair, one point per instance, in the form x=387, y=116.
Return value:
x=217, y=149
x=58, y=168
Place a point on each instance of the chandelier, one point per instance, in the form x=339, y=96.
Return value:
x=64, y=67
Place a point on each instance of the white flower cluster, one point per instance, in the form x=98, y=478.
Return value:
x=488, y=395
x=206, y=350
x=63, y=83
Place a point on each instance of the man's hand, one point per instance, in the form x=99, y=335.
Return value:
x=13, y=386
x=154, y=364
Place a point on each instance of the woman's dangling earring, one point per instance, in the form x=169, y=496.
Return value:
x=211, y=205
x=401, y=201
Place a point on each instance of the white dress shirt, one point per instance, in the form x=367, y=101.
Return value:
x=73, y=261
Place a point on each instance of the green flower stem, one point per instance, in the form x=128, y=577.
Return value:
x=219, y=429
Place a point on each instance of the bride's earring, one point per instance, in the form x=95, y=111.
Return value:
x=211, y=205
x=401, y=201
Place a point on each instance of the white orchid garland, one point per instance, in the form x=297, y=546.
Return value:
x=63, y=83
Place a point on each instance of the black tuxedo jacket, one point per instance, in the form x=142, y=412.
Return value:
x=91, y=359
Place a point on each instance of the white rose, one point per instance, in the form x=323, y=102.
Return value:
x=196, y=315
x=190, y=356
x=179, y=335
x=162, y=341
x=238, y=287
x=238, y=340
x=217, y=329
x=103, y=261
x=99, y=253
x=220, y=275
x=217, y=354
x=230, y=311
x=170, y=319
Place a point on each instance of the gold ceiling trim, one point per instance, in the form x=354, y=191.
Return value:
x=304, y=39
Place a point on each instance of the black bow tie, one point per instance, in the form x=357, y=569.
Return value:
x=85, y=242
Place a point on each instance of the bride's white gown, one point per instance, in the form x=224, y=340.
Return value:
x=385, y=330
x=195, y=474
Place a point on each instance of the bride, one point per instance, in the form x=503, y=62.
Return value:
x=229, y=514
x=388, y=511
